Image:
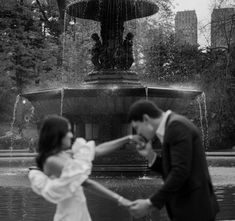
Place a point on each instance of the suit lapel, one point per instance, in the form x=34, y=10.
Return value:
x=165, y=150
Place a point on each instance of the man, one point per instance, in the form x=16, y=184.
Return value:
x=187, y=191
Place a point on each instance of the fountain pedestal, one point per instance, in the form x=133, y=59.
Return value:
x=113, y=77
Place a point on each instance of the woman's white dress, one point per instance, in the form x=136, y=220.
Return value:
x=66, y=191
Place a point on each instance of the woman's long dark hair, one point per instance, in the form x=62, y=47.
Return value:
x=52, y=131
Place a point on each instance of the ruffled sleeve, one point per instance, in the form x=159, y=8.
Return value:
x=73, y=174
x=84, y=150
x=58, y=189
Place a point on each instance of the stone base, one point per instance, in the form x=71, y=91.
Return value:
x=113, y=77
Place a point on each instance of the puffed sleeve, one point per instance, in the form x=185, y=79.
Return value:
x=58, y=189
x=74, y=173
x=84, y=150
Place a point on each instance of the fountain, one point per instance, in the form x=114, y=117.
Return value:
x=98, y=108
x=97, y=111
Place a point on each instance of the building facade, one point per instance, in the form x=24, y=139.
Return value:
x=186, y=27
x=222, y=27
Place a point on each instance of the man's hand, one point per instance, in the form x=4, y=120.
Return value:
x=144, y=148
x=140, y=208
x=147, y=152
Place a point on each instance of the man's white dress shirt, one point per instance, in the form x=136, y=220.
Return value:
x=160, y=132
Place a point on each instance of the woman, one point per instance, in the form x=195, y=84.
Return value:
x=66, y=171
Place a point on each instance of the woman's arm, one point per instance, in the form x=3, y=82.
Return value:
x=110, y=146
x=106, y=193
x=53, y=166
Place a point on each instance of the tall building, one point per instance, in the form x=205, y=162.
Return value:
x=186, y=27
x=222, y=27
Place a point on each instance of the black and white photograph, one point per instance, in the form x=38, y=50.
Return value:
x=117, y=110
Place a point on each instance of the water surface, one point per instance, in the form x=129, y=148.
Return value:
x=19, y=203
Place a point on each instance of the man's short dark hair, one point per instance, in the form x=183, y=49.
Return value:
x=141, y=107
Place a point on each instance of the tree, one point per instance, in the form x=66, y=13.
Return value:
x=144, y=31
x=22, y=44
x=168, y=62
x=220, y=98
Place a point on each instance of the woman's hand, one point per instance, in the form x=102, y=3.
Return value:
x=138, y=140
x=124, y=202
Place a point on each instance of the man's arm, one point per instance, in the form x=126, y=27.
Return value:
x=179, y=138
x=156, y=164
x=154, y=159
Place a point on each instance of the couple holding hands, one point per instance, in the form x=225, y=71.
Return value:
x=187, y=191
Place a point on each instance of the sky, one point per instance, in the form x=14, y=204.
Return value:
x=203, y=12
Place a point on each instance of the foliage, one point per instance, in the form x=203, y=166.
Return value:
x=26, y=55
x=220, y=97
x=168, y=62
x=35, y=52
x=77, y=47
x=22, y=45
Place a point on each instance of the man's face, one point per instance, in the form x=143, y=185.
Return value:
x=144, y=128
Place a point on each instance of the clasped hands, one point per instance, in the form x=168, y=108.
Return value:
x=137, y=208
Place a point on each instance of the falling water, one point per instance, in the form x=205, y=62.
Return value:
x=117, y=17
x=203, y=119
x=206, y=120
x=13, y=121
x=100, y=7
x=145, y=171
x=63, y=44
x=139, y=32
x=64, y=35
x=146, y=93
x=61, y=101
x=32, y=112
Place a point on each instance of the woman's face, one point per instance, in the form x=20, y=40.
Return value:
x=67, y=139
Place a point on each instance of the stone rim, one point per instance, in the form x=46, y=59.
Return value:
x=120, y=9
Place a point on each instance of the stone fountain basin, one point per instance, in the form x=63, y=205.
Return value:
x=99, y=112
x=111, y=99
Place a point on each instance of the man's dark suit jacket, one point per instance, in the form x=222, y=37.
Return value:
x=187, y=191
